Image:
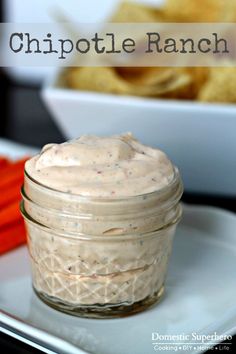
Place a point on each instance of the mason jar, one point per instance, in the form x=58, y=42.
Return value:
x=100, y=257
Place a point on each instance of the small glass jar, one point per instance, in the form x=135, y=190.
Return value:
x=100, y=257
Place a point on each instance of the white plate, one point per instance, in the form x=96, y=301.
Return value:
x=200, y=296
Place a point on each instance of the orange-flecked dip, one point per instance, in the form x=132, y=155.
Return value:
x=101, y=213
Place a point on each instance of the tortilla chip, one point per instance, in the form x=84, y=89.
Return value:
x=221, y=86
x=165, y=83
x=99, y=79
x=131, y=12
x=143, y=75
x=162, y=82
x=229, y=12
x=148, y=76
x=199, y=77
x=129, y=73
x=194, y=10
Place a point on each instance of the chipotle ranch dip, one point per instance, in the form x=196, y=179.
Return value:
x=102, y=167
x=101, y=213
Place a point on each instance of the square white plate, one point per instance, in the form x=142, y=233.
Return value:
x=200, y=296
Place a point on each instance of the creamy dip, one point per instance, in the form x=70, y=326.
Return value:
x=102, y=167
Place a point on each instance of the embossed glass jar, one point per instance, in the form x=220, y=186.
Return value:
x=100, y=257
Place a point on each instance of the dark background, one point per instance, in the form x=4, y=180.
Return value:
x=24, y=118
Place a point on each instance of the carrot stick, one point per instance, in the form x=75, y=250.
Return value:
x=10, y=214
x=12, y=236
x=12, y=173
x=10, y=194
x=3, y=162
x=12, y=230
x=14, y=165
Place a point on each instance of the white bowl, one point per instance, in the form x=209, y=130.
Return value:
x=199, y=138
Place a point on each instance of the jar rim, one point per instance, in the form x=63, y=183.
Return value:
x=66, y=213
x=176, y=178
x=83, y=236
